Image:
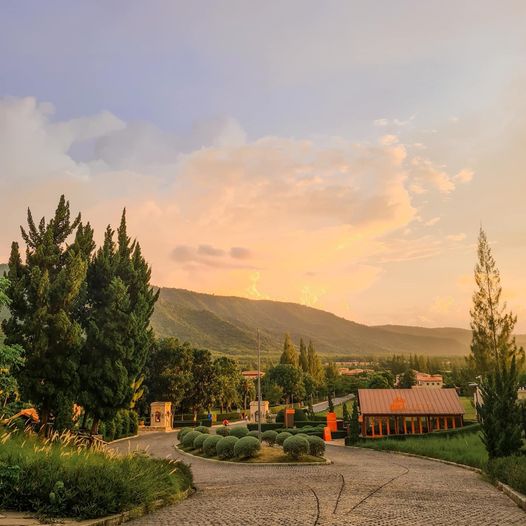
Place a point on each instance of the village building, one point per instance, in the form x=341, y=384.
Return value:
x=434, y=381
x=408, y=411
x=253, y=375
x=345, y=371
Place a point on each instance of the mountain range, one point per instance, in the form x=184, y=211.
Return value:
x=228, y=324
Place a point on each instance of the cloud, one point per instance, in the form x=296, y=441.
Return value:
x=456, y=237
x=432, y=221
x=426, y=175
x=464, y=176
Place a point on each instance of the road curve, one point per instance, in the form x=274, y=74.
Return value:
x=362, y=487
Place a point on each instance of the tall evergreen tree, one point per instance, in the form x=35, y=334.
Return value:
x=354, y=426
x=315, y=366
x=492, y=327
x=289, y=355
x=44, y=293
x=303, y=360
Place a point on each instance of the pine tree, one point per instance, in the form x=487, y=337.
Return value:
x=330, y=403
x=492, y=327
x=354, y=426
x=408, y=379
x=314, y=365
x=289, y=355
x=304, y=360
x=345, y=413
x=500, y=412
x=44, y=293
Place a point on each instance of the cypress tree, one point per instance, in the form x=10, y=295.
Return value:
x=303, y=360
x=354, y=427
x=315, y=367
x=492, y=327
x=345, y=413
x=289, y=355
x=44, y=293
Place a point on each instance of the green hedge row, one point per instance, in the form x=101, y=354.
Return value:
x=191, y=423
x=510, y=471
x=234, y=415
x=279, y=425
x=124, y=424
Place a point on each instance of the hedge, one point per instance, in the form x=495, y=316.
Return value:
x=299, y=414
x=296, y=447
x=279, y=425
x=199, y=441
x=316, y=446
x=238, y=431
x=234, y=415
x=223, y=431
x=191, y=423
x=509, y=470
x=269, y=437
x=210, y=444
x=247, y=447
x=225, y=447
x=124, y=424
x=282, y=437
x=188, y=439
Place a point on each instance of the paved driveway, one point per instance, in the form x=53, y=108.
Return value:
x=362, y=487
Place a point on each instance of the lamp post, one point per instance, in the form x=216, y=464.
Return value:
x=259, y=387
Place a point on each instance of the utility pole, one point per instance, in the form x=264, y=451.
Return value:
x=259, y=388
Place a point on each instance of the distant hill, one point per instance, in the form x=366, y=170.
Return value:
x=227, y=324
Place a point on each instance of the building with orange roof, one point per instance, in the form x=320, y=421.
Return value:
x=408, y=411
x=252, y=374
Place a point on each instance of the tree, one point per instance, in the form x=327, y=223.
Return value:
x=272, y=391
x=330, y=403
x=408, y=379
x=354, y=426
x=247, y=391
x=11, y=358
x=332, y=375
x=202, y=391
x=379, y=381
x=500, y=414
x=289, y=355
x=492, y=327
x=303, y=360
x=290, y=379
x=227, y=382
x=314, y=365
x=345, y=413
x=44, y=293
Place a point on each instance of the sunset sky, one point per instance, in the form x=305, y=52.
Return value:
x=338, y=154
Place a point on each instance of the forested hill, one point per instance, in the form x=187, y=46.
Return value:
x=228, y=325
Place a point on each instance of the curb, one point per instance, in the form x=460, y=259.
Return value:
x=258, y=464
x=133, y=437
x=515, y=496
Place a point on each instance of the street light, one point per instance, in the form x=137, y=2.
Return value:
x=259, y=388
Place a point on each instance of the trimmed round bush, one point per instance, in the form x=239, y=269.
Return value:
x=199, y=441
x=203, y=429
x=304, y=435
x=182, y=432
x=316, y=446
x=247, y=447
x=254, y=433
x=282, y=437
x=225, y=447
x=209, y=445
x=223, y=431
x=238, y=431
x=269, y=437
x=296, y=447
x=188, y=439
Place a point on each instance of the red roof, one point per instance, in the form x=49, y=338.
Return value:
x=409, y=402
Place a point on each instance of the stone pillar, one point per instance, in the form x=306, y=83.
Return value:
x=254, y=411
x=161, y=416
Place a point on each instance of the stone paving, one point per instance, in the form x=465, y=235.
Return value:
x=362, y=487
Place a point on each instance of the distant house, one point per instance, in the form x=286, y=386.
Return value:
x=345, y=371
x=408, y=411
x=429, y=380
x=252, y=374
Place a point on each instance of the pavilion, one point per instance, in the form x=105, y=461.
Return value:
x=408, y=411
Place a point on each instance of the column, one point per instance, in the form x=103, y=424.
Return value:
x=388, y=425
x=412, y=425
x=405, y=425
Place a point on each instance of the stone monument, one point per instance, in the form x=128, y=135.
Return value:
x=254, y=411
x=160, y=416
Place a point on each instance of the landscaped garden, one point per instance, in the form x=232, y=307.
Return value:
x=238, y=444
x=63, y=477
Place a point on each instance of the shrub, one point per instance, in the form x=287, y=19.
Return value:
x=304, y=435
x=64, y=477
x=223, y=431
x=247, y=447
x=188, y=439
x=296, y=447
x=254, y=433
x=109, y=429
x=299, y=414
x=269, y=437
x=203, y=429
x=134, y=423
x=209, y=445
x=509, y=470
x=238, y=432
x=316, y=446
x=282, y=437
x=199, y=440
x=225, y=447
x=182, y=432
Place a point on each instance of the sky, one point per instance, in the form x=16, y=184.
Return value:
x=338, y=154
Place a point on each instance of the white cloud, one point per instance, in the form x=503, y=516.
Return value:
x=456, y=237
x=464, y=176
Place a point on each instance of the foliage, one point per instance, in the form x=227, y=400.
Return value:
x=299, y=415
x=271, y=391
x=209, y=445
x=316, y=446
x=296, y=446
x=199, y=441
x=247, y=447
x=492, y=327
x=200, y=394
x=332, y=377
x=247, y=391
x=289, y=355
x=238, y=431
x=223, y=431
x=303, y=359
x=354, y=426
x=44, y=294
x=188, y=438
x=182, y=432
x=381, y=380
x=408, y=379
x=62, y=477
x=227, y=383
x=269, y=437
x=330, y=403
x=315, y=367
x=203, y=429
x=225, y=447
x=253, y=433
x=289, y=378
x=282, y=437
x=500, y=414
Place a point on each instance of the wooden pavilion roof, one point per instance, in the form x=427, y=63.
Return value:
x=409, y=402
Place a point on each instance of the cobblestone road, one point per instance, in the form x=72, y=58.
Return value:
x=362, y=487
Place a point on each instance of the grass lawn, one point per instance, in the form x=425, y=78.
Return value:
x=338, y=409
x=64, y=478
x=465, y=449
x=266, y=455
x=469, y=408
